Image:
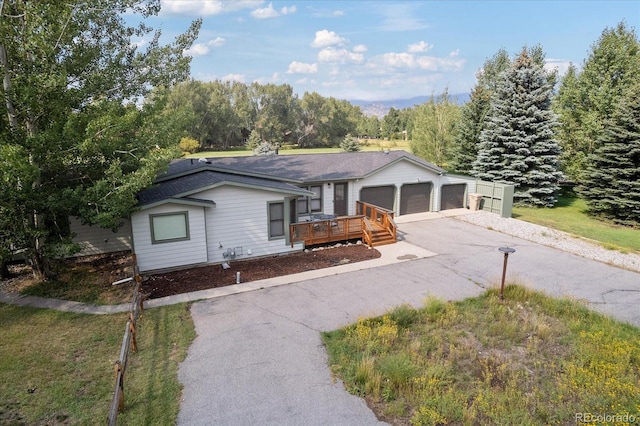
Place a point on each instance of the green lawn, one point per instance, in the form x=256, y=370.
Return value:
x=570, y=215
x=58, y=368
x=527, y=360
x=371, y=145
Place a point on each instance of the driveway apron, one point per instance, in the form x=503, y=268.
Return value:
x=259, y=359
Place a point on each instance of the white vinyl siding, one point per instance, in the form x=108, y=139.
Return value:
x=240, y=220
x=169, y=254
x=96, y=240
x=402, y=172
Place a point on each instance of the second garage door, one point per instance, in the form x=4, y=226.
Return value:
x=381, y=196
x=415, y=198
x=452, y=196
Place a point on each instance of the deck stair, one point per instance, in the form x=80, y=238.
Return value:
x=381, y=235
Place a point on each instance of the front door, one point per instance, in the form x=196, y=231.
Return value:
x=340, y=199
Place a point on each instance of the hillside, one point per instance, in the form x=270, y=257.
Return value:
x=380, y=108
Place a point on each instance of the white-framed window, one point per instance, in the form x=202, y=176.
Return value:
x=276, y=219
x=169, y=227
x=311, y=204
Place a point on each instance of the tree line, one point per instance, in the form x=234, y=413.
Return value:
x=90, y=118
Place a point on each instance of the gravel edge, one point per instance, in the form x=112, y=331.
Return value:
x=553, y=238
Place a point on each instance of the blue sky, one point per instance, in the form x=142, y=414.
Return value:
x=382, y=50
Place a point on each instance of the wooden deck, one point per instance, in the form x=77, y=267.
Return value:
x=373, y=224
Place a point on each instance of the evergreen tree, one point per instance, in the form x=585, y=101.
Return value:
x=586, y=100
x=612, y=181
x=517, y=146
x=350, y=144
x=468, y=129
x=474, y=113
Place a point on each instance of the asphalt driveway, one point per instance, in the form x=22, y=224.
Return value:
x=258, y=357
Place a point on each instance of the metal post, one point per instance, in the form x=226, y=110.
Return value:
x=506, y=251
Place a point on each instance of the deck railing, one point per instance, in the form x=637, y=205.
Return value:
x=325, y=231
x=368, y=218
x=379, y=215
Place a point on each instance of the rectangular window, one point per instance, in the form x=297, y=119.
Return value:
x=276, y=219
x=312, y=204
x=169, y=227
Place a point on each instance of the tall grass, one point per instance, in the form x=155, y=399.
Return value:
x=530, y=360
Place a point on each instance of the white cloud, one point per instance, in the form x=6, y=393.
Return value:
x=400, y=17
x=454, y=53
x=234, y=77
x=399, y=60
x=197, y=49
x=274, y=79
x=265, y=12
x=296, y=67
x=206, y=7
x=432, y=63
x=201, y=49
x=326, y=38
x=270, y=12
x=331, y=54
x=140, y=43
x=338, y=13
x=421, y=46
x=360, y=48
x=391, y=61
x=561, y=65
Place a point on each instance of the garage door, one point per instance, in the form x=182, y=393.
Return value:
x=381, y=196
x=452, y=196
x=415, y=198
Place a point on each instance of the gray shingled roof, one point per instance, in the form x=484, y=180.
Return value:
x=302, y=168
x=183, y=185
x=274, y=172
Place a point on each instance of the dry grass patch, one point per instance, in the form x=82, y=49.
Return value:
x=88, y=279
x=530, y=359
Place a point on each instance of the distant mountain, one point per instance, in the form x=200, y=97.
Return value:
x=381, y=108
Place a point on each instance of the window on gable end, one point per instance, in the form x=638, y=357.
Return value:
x=169, y=227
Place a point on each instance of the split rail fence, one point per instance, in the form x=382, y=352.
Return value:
x=128, y=344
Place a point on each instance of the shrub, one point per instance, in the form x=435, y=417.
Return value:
x=189, y=145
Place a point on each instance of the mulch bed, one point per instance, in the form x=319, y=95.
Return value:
x=212, y=276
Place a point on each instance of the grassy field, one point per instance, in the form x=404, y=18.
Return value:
x=369, y=145
x=570, y=215
x=528, y=360
x=57, y=368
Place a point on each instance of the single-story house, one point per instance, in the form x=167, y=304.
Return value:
x=207, y=211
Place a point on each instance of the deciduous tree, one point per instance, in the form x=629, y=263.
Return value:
x=434, y=129
x=75, y=143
